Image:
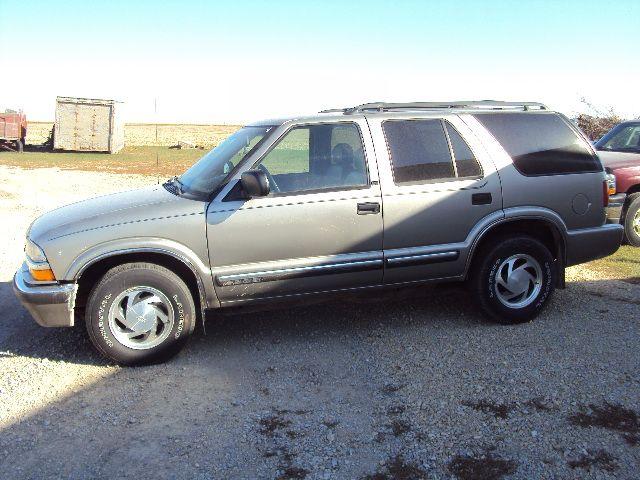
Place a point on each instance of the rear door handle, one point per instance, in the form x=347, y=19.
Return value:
x=368, y=208
x=481, y=199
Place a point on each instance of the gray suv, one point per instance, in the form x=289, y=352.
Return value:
x=502, y=195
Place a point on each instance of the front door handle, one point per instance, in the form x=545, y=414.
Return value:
x=368, y=208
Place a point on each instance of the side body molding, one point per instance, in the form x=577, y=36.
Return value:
x=124, y=246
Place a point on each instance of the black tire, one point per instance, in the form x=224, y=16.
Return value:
x=632, y=215
x=123, y=278
x=489, y=264
x=19, y=146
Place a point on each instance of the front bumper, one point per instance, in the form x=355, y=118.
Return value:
x=614, y=209
x=589, y=244
x=51, y=305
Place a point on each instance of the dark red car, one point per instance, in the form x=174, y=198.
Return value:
x=619, y=151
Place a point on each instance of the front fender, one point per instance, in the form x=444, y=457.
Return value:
x=125, y=246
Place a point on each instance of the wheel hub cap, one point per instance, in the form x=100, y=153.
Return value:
x=636, y=223
x=518, y=281
x=141, y=317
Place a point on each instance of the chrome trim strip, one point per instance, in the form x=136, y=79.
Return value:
x=425, y=259
x=231, y=303
x=296, y=272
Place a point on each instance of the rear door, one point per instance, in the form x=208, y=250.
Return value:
x=438, y=185
x=320, y=229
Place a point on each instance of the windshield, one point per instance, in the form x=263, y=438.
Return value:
x=624, y=138
x=210, y=171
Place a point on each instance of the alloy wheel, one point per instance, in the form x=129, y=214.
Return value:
x=518, y=281
x=141, y=318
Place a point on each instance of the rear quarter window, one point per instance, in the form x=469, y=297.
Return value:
x=540, y=143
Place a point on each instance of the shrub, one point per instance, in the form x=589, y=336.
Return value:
x=598, y=123
x=596, y=126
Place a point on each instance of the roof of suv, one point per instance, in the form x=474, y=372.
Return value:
x=422, y=107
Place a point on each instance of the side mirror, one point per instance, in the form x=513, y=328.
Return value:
x=255, y=183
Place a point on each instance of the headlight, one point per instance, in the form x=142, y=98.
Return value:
x=34, y=252
x=39, y=267
x=610, y=178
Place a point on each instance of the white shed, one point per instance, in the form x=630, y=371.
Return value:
x=88, y=125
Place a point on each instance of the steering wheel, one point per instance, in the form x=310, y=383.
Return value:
x=273, y=186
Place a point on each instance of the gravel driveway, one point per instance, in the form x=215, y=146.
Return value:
x=411, y=384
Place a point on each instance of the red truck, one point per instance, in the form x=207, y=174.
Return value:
x=619, y=151
x=13, y=130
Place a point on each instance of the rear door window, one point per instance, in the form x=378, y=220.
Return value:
x=540, y=143
x=419, y=151
x=428, y=150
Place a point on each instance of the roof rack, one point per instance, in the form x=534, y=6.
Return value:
x=476, y=104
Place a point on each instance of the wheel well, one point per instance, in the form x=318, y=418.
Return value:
x=633, y=189
x=541, y=230
x=89, y=277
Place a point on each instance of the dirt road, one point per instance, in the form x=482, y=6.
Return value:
x=413, y=383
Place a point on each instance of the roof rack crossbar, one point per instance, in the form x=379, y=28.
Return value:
x=475, y=104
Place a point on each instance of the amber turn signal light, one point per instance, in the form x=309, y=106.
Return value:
x=45, y=275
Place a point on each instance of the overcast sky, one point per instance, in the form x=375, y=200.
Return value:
x=209, y=62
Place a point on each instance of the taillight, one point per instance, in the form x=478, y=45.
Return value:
x=605, y=193
x=610, y=178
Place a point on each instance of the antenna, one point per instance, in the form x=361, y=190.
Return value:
x=155, y=116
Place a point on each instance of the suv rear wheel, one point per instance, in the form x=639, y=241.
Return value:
x=513, y=279
x=140, y=313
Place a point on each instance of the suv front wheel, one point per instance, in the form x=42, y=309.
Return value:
x=513, y=279
x=140, y=313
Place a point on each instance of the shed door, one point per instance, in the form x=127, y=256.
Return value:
x=86, y=127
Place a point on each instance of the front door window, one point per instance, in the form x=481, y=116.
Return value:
x=317, y=157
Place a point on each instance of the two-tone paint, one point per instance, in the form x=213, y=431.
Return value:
x=288, y=245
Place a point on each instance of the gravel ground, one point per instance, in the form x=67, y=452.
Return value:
x=410, y=384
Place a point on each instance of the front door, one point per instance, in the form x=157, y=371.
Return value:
x=320, y=228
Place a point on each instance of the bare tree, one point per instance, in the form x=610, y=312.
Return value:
x=598, y=122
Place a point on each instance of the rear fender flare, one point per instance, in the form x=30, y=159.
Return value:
x=524, y=213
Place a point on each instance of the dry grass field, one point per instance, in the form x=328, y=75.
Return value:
x=146, y=151
x=623, y=265
x=139, y=134
x=148, y=160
